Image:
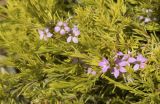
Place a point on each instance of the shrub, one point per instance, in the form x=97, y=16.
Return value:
x=51, y=65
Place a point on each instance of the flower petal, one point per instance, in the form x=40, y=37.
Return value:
x=146, y=20
x=116, y=73
x=144, y=60
x=57, y=29
x=75, y=39
x=122, y=70
x=69, y=39
x=141, y=17
x=141, y=58
x=117, y=60
x=76, y=33
x=60, y=23
x=65, y=24
x=123, y=63
x=105, y=68
x=41, y=33
x=106, y=61
x=67, y=28
x=75, y=28
x=119, y=53
x=49, y=35
x=46, y=30
x=136, y=67
x=142, y=65
x=125, y=57
x=62, y=32
x=102, y=63
x=131, y=60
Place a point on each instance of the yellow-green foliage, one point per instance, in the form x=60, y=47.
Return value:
x=46, y=71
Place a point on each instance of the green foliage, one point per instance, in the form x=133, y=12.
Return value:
x=47, y=72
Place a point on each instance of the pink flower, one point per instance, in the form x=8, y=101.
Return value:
x=140, y=62
x=104, y=64
x=73, y=36
x=117, y=70
x=62, y=28
x=75, y=31
x=125, y=59
x=44, y=34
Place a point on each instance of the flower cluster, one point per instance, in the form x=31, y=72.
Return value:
x=121, y=61
x=149, y=17
x=63, y=28
x=44, y=34
x=73, y=36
